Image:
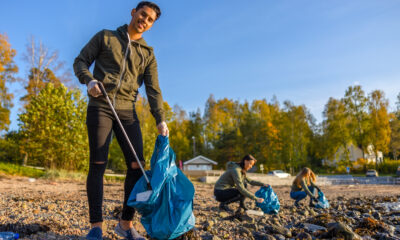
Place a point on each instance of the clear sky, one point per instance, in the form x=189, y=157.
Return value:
x=299, y=50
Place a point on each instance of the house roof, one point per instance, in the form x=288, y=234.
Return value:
x=200, y=160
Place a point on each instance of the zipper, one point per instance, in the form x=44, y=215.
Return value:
x=123, y=71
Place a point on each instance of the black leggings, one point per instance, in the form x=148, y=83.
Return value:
x=100, y=122
x=227, y=195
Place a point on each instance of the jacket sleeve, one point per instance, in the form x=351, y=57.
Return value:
x=254, y=183
x=240, y=186
x=153, y=91
x=86, y=57
x=305, y=188
x=313, y=184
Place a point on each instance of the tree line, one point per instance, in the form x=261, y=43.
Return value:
x=52, y=131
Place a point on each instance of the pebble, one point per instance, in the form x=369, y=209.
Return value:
x=40, y=215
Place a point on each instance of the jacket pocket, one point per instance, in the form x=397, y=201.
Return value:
x=110, y=82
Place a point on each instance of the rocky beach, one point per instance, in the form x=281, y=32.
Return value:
x=44, y=209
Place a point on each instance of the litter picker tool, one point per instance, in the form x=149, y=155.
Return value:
x=143, y=196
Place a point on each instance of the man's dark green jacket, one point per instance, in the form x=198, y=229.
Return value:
x=122, y=66
x=233, y=177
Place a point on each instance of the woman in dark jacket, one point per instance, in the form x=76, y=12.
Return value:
x=231, y=186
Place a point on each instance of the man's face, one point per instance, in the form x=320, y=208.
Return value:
x=143, y=19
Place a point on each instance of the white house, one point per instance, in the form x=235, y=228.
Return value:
x=199, y=163
x=355, y=153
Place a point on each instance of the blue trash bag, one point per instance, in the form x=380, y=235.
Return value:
x=168, y=213
x=271, y=203
x=322, y=201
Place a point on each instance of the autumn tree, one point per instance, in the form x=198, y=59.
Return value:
x=336, y=129
x=44, y=67
x=54, y=130
x=295, y=135
x=7, y=71
x=379, y=122
x=179, y=137
x=395, y=130
x=260, y=136
x=221, y=119
x=356, y=109
x=394, y=136
x=148, y=125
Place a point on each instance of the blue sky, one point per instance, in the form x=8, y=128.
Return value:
x=303, y=51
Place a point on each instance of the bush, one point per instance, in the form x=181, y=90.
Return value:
x=388, y=166
x=9, y=148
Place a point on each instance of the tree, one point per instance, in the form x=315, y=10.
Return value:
x=395, y=135
x=7, y=71
x=397, y=111
x=221, y=119
x=54, y=130
x=260, y=136
x=295, y=134
x=44, y=67
x=148, y=125
x=10, y=148
x=195, y=133
x=179, y=137
x=379, y=126
x=356, y=110
x=335, y=126
x=395, y=130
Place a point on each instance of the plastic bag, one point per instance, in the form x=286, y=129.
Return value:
x=168, y=213
x=322, y=201
x=271, y=203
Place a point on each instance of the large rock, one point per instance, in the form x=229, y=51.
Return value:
x=338, y=230
x=275, y=229
x=312, y=227
x=304, y=235
x=262, y=236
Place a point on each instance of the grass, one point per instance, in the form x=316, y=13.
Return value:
x=51, y=174
x=18, y=170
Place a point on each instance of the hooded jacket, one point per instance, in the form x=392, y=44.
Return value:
x=122, y=65
x=233, y=177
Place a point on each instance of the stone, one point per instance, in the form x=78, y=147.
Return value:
x=224, y=214
x=304, y=235
x=313, y=227
x=338, y=229
x=262, y=236
x=275, y=229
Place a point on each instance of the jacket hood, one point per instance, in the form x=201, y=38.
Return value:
x=123, y=31
x=232, y=165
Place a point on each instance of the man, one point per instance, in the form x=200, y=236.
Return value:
x=123, y=63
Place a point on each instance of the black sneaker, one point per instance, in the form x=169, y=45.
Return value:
x=243, y=206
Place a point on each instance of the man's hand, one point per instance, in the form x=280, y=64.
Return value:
x=260, y=200
x=93, y=88
x=163, y=129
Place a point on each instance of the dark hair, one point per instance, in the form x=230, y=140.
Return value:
x=248, y=157
x=150, y=5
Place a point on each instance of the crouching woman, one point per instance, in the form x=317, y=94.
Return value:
x=303, y=185
x=232, y=185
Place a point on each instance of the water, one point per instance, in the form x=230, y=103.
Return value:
x=8, y=236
